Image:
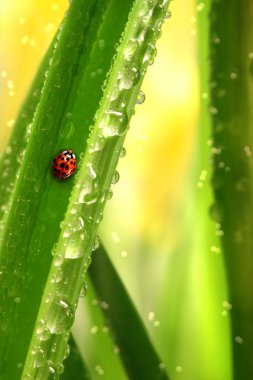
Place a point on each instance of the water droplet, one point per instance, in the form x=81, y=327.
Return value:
x=216, y=40
x=84, y=290
x=104, y=305
x=109, y=194
x=115, y=93
x=94, y=330
x=115, y=178
x=116, y=350
x=57, y=277
x=227, y=305
x=98, y=145
x=60, y=369
x=73, y=249
x=68, y=130
x=141, y=98
x=78, y=224
x=96, y=243
x=39, y=358
x=239, y=340
x=215, y=249
x=42, y=331
x=213, y=110
x=99, y=370
x=168, y=15
x=60, y=315
x=51, y=367
x=66, y=352
x=58, y=261
x=128, y=78
x=122, y=153
x=101, y=44
x=200, y=7
x=150, y=54
x=114, y=123
x=90, y=192
x=247, y=151
x=233, y=75
x=131, y=48
x=124, y=254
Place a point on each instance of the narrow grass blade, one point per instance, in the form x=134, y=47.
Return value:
x=87, y=201
x=12, y=156
x=137, y=353
x=68, y=102
x=231, y=53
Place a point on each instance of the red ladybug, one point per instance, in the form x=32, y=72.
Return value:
x=64, y=164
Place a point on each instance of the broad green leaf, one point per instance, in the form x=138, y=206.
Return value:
x=38, y=202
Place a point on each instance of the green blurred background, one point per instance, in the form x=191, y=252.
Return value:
x=164, y=245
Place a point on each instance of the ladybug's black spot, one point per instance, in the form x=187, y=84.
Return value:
x=62, y=165
x=62, y=158
x=67, y=167
x=71, y=162
x=74, y=164
x=64, y=174
x=58, y=171
x=68, y=159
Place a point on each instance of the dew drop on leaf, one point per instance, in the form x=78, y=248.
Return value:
x=60, y=316
x=141, y=98
x=115, y=178
x=122, y=153
x=131, y=48
x=96, y=243
x=109, y=194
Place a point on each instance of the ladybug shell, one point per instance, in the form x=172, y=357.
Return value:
x=64, y=164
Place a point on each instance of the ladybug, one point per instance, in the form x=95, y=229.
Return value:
x=64, y=164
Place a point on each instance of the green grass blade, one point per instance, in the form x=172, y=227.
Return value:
x=86, y=204
x=12, y=155
x=231, y=48
x=137, y=353
x=38, y=202
x=74, y=367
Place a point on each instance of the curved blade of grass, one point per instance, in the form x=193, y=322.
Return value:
x=138, y=355
x=11, y=157
x=86, y=204
x=74, y=367
x=231, y=48
x=38, y=203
